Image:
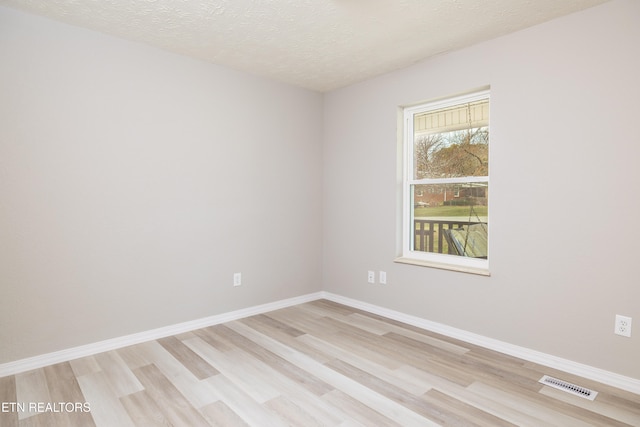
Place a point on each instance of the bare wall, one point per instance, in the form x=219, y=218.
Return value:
x=135, y=182
x=564, y=167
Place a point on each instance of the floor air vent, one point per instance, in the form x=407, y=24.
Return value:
x=568, y=387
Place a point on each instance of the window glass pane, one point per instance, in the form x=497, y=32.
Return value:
x=446, y=182
x=451, y=219
x=456, y=153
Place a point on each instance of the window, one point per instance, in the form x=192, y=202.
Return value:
x=446, y=184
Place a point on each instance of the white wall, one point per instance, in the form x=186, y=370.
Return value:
x=564, y=171
x=135, y=182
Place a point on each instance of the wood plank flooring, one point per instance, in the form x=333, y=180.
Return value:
x=314, y=364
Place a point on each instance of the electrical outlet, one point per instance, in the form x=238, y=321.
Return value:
x=371, y=277
x=237, y=279
x=382, y=277
x=623, y=325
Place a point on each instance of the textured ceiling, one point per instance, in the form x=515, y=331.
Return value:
x=316, y=44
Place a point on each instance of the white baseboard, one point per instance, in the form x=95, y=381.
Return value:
x=565, y=365
x=585, y=371
x=36, y=362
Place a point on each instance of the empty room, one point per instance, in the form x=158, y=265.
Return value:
x=270, y=213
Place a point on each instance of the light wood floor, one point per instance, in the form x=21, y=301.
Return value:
x=315, y=364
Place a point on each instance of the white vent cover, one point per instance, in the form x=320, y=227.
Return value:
x=568, y=387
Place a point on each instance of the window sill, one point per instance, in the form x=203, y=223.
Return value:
x=443, y=266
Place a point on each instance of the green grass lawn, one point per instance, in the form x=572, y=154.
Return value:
x=457, y=211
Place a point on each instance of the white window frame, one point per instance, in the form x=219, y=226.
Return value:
x=430, y=259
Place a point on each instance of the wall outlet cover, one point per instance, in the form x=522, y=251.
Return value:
x=371, y=276
x=623, y=326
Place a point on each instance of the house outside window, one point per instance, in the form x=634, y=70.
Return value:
x=446, y=183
